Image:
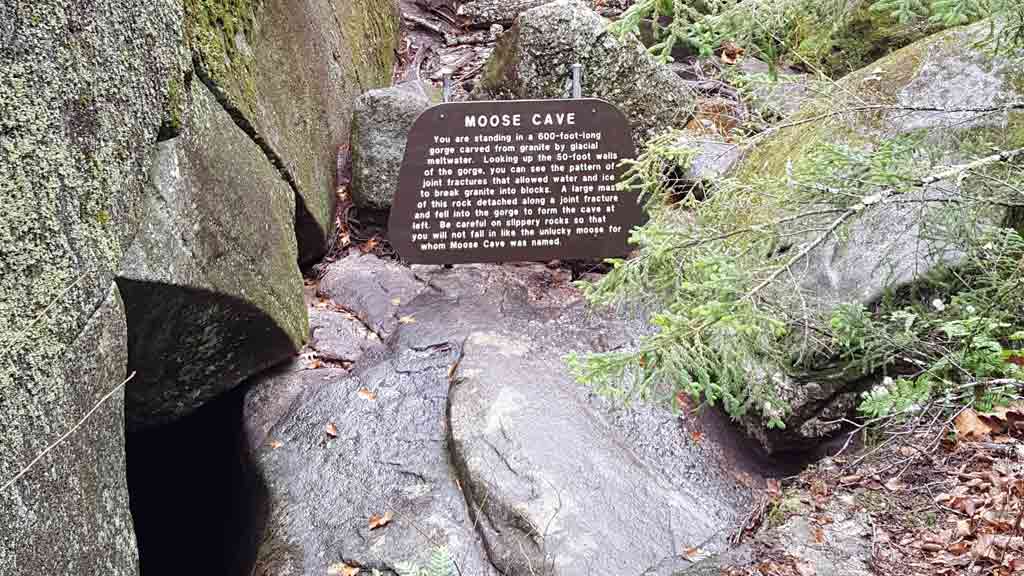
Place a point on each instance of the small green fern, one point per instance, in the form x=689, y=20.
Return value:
x=439, y=564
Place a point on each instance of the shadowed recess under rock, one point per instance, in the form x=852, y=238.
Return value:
x=189, y=345
x=196, y=503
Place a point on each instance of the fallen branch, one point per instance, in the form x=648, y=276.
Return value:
x=426, y=24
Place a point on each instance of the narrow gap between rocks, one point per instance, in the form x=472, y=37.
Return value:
x=197, y=506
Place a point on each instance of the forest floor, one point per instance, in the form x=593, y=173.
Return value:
x=938, y=495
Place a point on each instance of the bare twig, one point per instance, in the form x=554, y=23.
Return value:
x=65, y=436
x=426, y=24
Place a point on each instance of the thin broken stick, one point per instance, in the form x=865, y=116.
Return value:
x=65, y=436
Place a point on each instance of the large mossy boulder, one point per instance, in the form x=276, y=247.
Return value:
x=212, y=283
x=288, y=71
x=82, y=98
x=949, y=95
x=534, y=60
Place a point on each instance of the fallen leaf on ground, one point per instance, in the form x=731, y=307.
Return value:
x=805, y=569
x=331, y=430
x=696, y=436
x=894, y=484
x=370, y=245
x=963, y=528
x=731, y=53
x=366, y=394
x=275, y=444
x=969, y=426
x=342, y=569
x=406, y=320
x=396, y=302
x=379, y=521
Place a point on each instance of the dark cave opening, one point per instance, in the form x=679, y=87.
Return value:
x=197, y=505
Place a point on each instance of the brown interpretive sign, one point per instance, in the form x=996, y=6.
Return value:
x=520, y=180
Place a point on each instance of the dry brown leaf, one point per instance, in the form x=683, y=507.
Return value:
x=342, y=569
x=696, y=436
x=379, y=521
x=275, y=444
x=908, y=452
x=984, y=546
x=370, y=245
x=694, y=554
x=970, y=427
x=731, y=53
x=894, y=484
x=958, y=548
x=963, y=528
x=366, y=394
x=999, y=520
x=819, y=487
x=331, y=430
x=805, y=569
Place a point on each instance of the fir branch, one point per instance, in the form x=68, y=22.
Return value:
x=877, y=199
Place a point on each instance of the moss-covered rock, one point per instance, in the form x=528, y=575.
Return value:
x=948, y=96
x=212, y=287
x=82, y=94
x=288, y=71
x=534, y=58
x=69, y=513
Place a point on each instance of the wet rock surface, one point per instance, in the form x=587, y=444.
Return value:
x=465, y=427
x=372, y=289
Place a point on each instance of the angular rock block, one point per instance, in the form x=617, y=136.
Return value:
x=387, y=458
x=82, y=90
x=892, y=244
x=558, y=478
x=534, y=58
x=69, y=514
x=289, y=70
x=381, y=121
x=374, y=290
x=213, y=291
